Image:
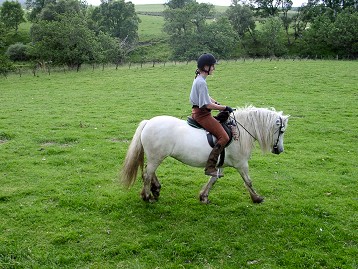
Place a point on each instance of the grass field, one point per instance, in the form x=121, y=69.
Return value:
x=151, y=28
x=160, y=8
x=63, y=138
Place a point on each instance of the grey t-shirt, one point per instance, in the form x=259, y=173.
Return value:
x=199, y=95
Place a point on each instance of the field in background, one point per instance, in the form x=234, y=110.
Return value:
x=63, y=138
x=153, y=41
x=149, y=8
x=160, y=8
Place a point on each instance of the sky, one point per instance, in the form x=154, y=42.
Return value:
x=296, y=3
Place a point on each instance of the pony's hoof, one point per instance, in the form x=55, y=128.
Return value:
x=156, y=195
x=147, y=198
x=257, y=199
x=204, y=199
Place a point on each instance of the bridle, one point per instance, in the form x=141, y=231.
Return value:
x=280, y=131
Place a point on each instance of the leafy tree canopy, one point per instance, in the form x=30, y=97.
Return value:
x=54, y=10
x=12, y=14
x=191, y=33
x=242, y=19
x=173, y=4
x=66, y=41
x=117, y=18
x=338, y=37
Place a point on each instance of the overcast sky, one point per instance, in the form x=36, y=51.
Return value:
x=296, y=3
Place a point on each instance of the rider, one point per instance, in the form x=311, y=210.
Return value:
x=202, y=104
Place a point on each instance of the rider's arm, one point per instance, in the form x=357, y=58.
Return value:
x=214, y=106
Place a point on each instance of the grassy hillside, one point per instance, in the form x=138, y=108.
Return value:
x=160, y=8
x=151, y=28
x=63, y=138
x=153, y=41
x=150, y=8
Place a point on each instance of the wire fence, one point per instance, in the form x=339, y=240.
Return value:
x=37, y=69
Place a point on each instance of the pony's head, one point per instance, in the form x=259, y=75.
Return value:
x=279, y=132
x=266, y=125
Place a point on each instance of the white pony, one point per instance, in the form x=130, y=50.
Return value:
x=164, y=136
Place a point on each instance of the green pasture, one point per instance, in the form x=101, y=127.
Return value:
x=64, y=136
x=150, y=8
x=151, y=28
x=160, y=8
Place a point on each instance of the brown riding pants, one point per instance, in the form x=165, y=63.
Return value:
x=204, y=118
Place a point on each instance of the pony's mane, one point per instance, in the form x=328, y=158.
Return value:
x=259, y=122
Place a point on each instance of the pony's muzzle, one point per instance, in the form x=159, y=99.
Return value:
x=276, y=150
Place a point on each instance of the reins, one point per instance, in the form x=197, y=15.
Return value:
x=234, y=118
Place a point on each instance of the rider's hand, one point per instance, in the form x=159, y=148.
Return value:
x=228, y=109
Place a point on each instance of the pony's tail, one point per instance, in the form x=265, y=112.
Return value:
x=134, y=158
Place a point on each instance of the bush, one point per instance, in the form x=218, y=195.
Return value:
x=17, y=52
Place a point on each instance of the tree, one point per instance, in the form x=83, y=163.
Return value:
x=330, y=8
x=53, y=10
x=344, y=35
x=272, y=37
x=173, y=4
x=316, y=39
x=177, y=21
x=11, y=14
x=331, y=38
x=117, y=18
x=219, y=38
x=191, y=34
x=337, y=6
x=189, y=18
x=112, y=50
x=199, y=14
x=66, y=41
x=35, y=7
x=2, y=36
x=267, y=8
x=47, y=9
x=242, y=20
x=300, y=22
x=286, y=19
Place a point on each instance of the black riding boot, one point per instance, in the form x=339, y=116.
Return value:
x=210, y=168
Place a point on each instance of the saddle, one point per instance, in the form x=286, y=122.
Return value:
x=211, y=138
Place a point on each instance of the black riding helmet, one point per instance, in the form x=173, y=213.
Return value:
x=206, y=59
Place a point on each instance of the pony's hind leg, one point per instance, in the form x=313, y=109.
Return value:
x=146, y=193
x=155, y=187
x=151, y=185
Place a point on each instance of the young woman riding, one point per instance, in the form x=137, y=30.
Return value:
x=202, y=104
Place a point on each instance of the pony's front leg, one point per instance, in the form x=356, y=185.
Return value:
x=204, y=193
x=244, y=172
